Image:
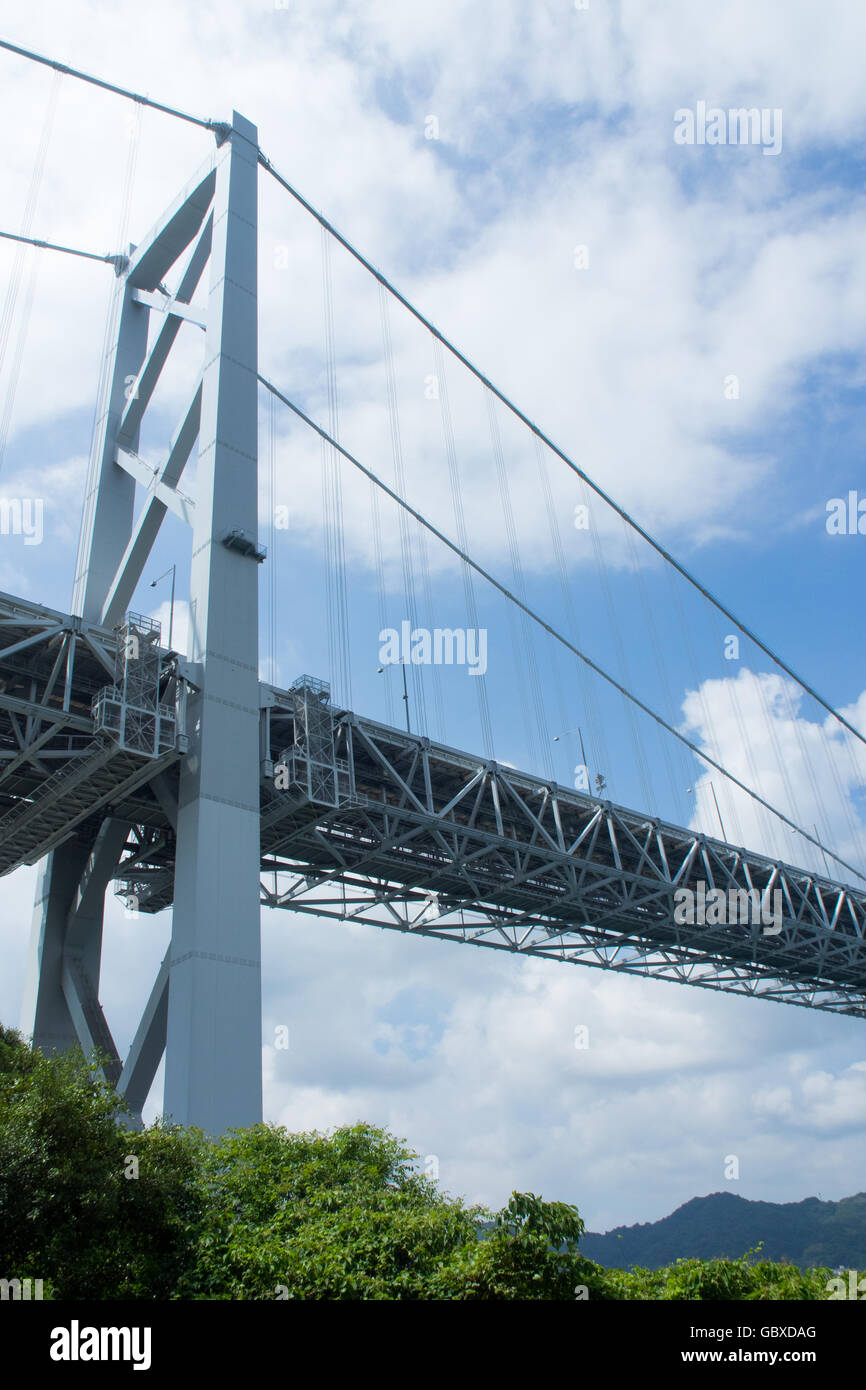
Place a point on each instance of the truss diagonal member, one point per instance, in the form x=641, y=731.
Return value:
x=147, y=378
x=166, y=795
x=109, y=506
x=172, y=307
x=27, y=619
x=97, y=874
x=173, y=233
x=63, y=655
x=145, y=530
x=32, y=641
x=525, y=810
x=28, y=752
x=148, y=1045
x=97, y=650
x=643, y=850
x=380, y=757
x=86, y=1013
x=149, y=478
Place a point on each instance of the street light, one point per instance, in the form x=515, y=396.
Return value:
x=718, y=812
x=405, y=690
x=557, y=737
x=153, y=583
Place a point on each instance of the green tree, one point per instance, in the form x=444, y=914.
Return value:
x=99, y=1211
x=530, y=1253
x=69, y=1214
x=310, y=1216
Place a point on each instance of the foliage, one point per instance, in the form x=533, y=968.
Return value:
x=68, y=1213
x=264, y=1214
x=744, y=1279
x=306, y=1216
x=530, y=1253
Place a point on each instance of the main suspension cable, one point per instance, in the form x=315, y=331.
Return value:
x=110, y=86
x=220, y=128
x=548, y=627
x=545, y=439
x=53, y=246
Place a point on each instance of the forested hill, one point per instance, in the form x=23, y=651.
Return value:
x=806, y=1233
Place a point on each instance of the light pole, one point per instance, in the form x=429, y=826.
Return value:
x=718, y=812
x=585, y=765
x=153, y=583
x=405, y=690
x=577, y=730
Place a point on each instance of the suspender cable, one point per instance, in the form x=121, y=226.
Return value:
x=409, y=584
x=599, y=751
x=21, y=253
x=538, y=729
x=271, y=570
x=545, y=439
x=549, y=628
x=601, y=568
x=661, y=668
x=473, y=565
x=382, y=589
x=332, y=506
x=112, y=322
x=480, y=682
x=219, y=128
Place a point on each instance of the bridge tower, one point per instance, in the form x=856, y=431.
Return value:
x=204, y=1009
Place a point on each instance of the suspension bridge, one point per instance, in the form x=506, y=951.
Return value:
x=185, y=780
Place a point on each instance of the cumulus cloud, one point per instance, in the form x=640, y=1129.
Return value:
x=555, y=132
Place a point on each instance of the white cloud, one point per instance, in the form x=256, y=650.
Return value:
x=693, y=275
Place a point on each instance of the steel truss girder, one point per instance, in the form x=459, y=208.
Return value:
x=575, y=946
x=432, y=841
x=438, y=844
x=429, y=841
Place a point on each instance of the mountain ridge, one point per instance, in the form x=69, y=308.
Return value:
x=808, y=1233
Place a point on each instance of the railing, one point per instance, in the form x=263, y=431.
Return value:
x=148, y=730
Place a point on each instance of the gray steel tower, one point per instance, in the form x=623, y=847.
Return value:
x=205, y=1006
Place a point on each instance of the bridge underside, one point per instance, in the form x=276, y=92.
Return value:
x=362, y=822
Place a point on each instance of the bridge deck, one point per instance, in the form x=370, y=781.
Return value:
x=364, y=822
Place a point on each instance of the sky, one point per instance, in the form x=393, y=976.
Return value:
x=686, y=321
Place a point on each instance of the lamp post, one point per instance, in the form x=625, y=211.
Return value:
x=577, y=730
x=153, y=583
x=405, y=691
x=718, y=812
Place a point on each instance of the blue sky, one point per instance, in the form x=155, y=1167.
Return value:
x=555, y=130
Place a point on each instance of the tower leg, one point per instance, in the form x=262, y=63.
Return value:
x=61, y=999
x=45, y=1014
x=213, y=1074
